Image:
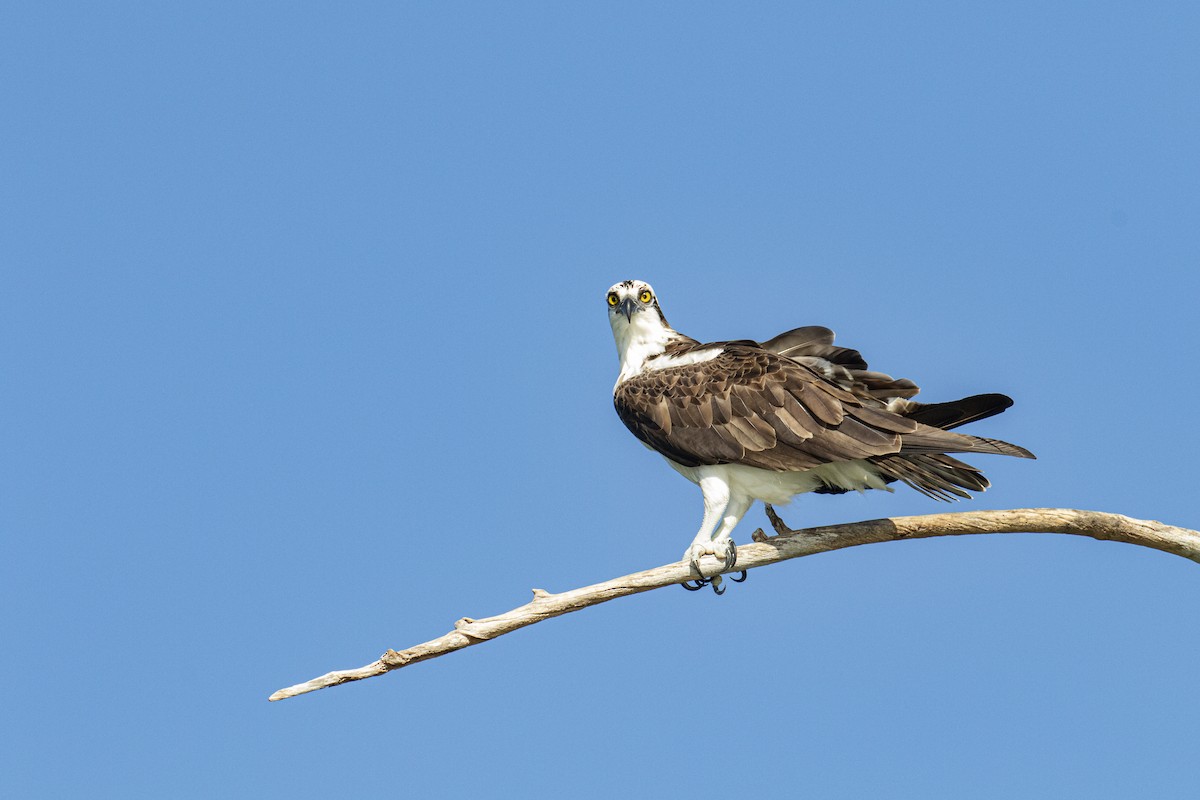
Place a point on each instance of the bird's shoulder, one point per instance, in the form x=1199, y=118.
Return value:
x=688, y=368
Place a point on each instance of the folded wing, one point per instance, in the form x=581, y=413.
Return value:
x=794, y=403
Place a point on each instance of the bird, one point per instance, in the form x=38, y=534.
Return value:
x=765, y=421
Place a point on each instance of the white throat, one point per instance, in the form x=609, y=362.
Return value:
x=638, y=339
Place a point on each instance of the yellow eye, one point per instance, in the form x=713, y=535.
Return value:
x=613, y=299
x=645, y=296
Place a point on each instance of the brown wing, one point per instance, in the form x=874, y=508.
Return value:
x=754, y=407
x=816, y=341
x=813, y=346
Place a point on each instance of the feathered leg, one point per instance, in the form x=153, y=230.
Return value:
x=716, y=498
x=719, y=507
x=722, y=544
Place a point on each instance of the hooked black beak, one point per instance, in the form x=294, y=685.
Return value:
x=627, y=308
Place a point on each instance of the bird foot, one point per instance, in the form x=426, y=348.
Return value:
x=715, y=582
x=699, y=583
x=781, y=529
x=723, y=549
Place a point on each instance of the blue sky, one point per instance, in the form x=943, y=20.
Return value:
x=305, y=356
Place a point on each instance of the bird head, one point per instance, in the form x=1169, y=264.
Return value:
x=638, y=325
x=628, y=300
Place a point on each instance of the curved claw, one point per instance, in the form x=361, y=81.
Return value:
x=731, y=556
x=714, y=582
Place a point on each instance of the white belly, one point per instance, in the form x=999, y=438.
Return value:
x=778, y=488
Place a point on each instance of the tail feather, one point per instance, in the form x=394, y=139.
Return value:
x=934, y=440
x=938, y=476
x=923, y=463
x=954, y=413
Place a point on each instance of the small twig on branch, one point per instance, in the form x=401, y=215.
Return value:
x=770, y=550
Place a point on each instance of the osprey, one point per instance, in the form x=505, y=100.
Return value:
x=769, y=420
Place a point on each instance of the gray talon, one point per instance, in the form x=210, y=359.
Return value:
x=731, y=556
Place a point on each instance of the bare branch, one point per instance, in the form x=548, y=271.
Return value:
x=770, y=550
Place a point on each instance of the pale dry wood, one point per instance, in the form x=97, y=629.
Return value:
x=770, y=550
